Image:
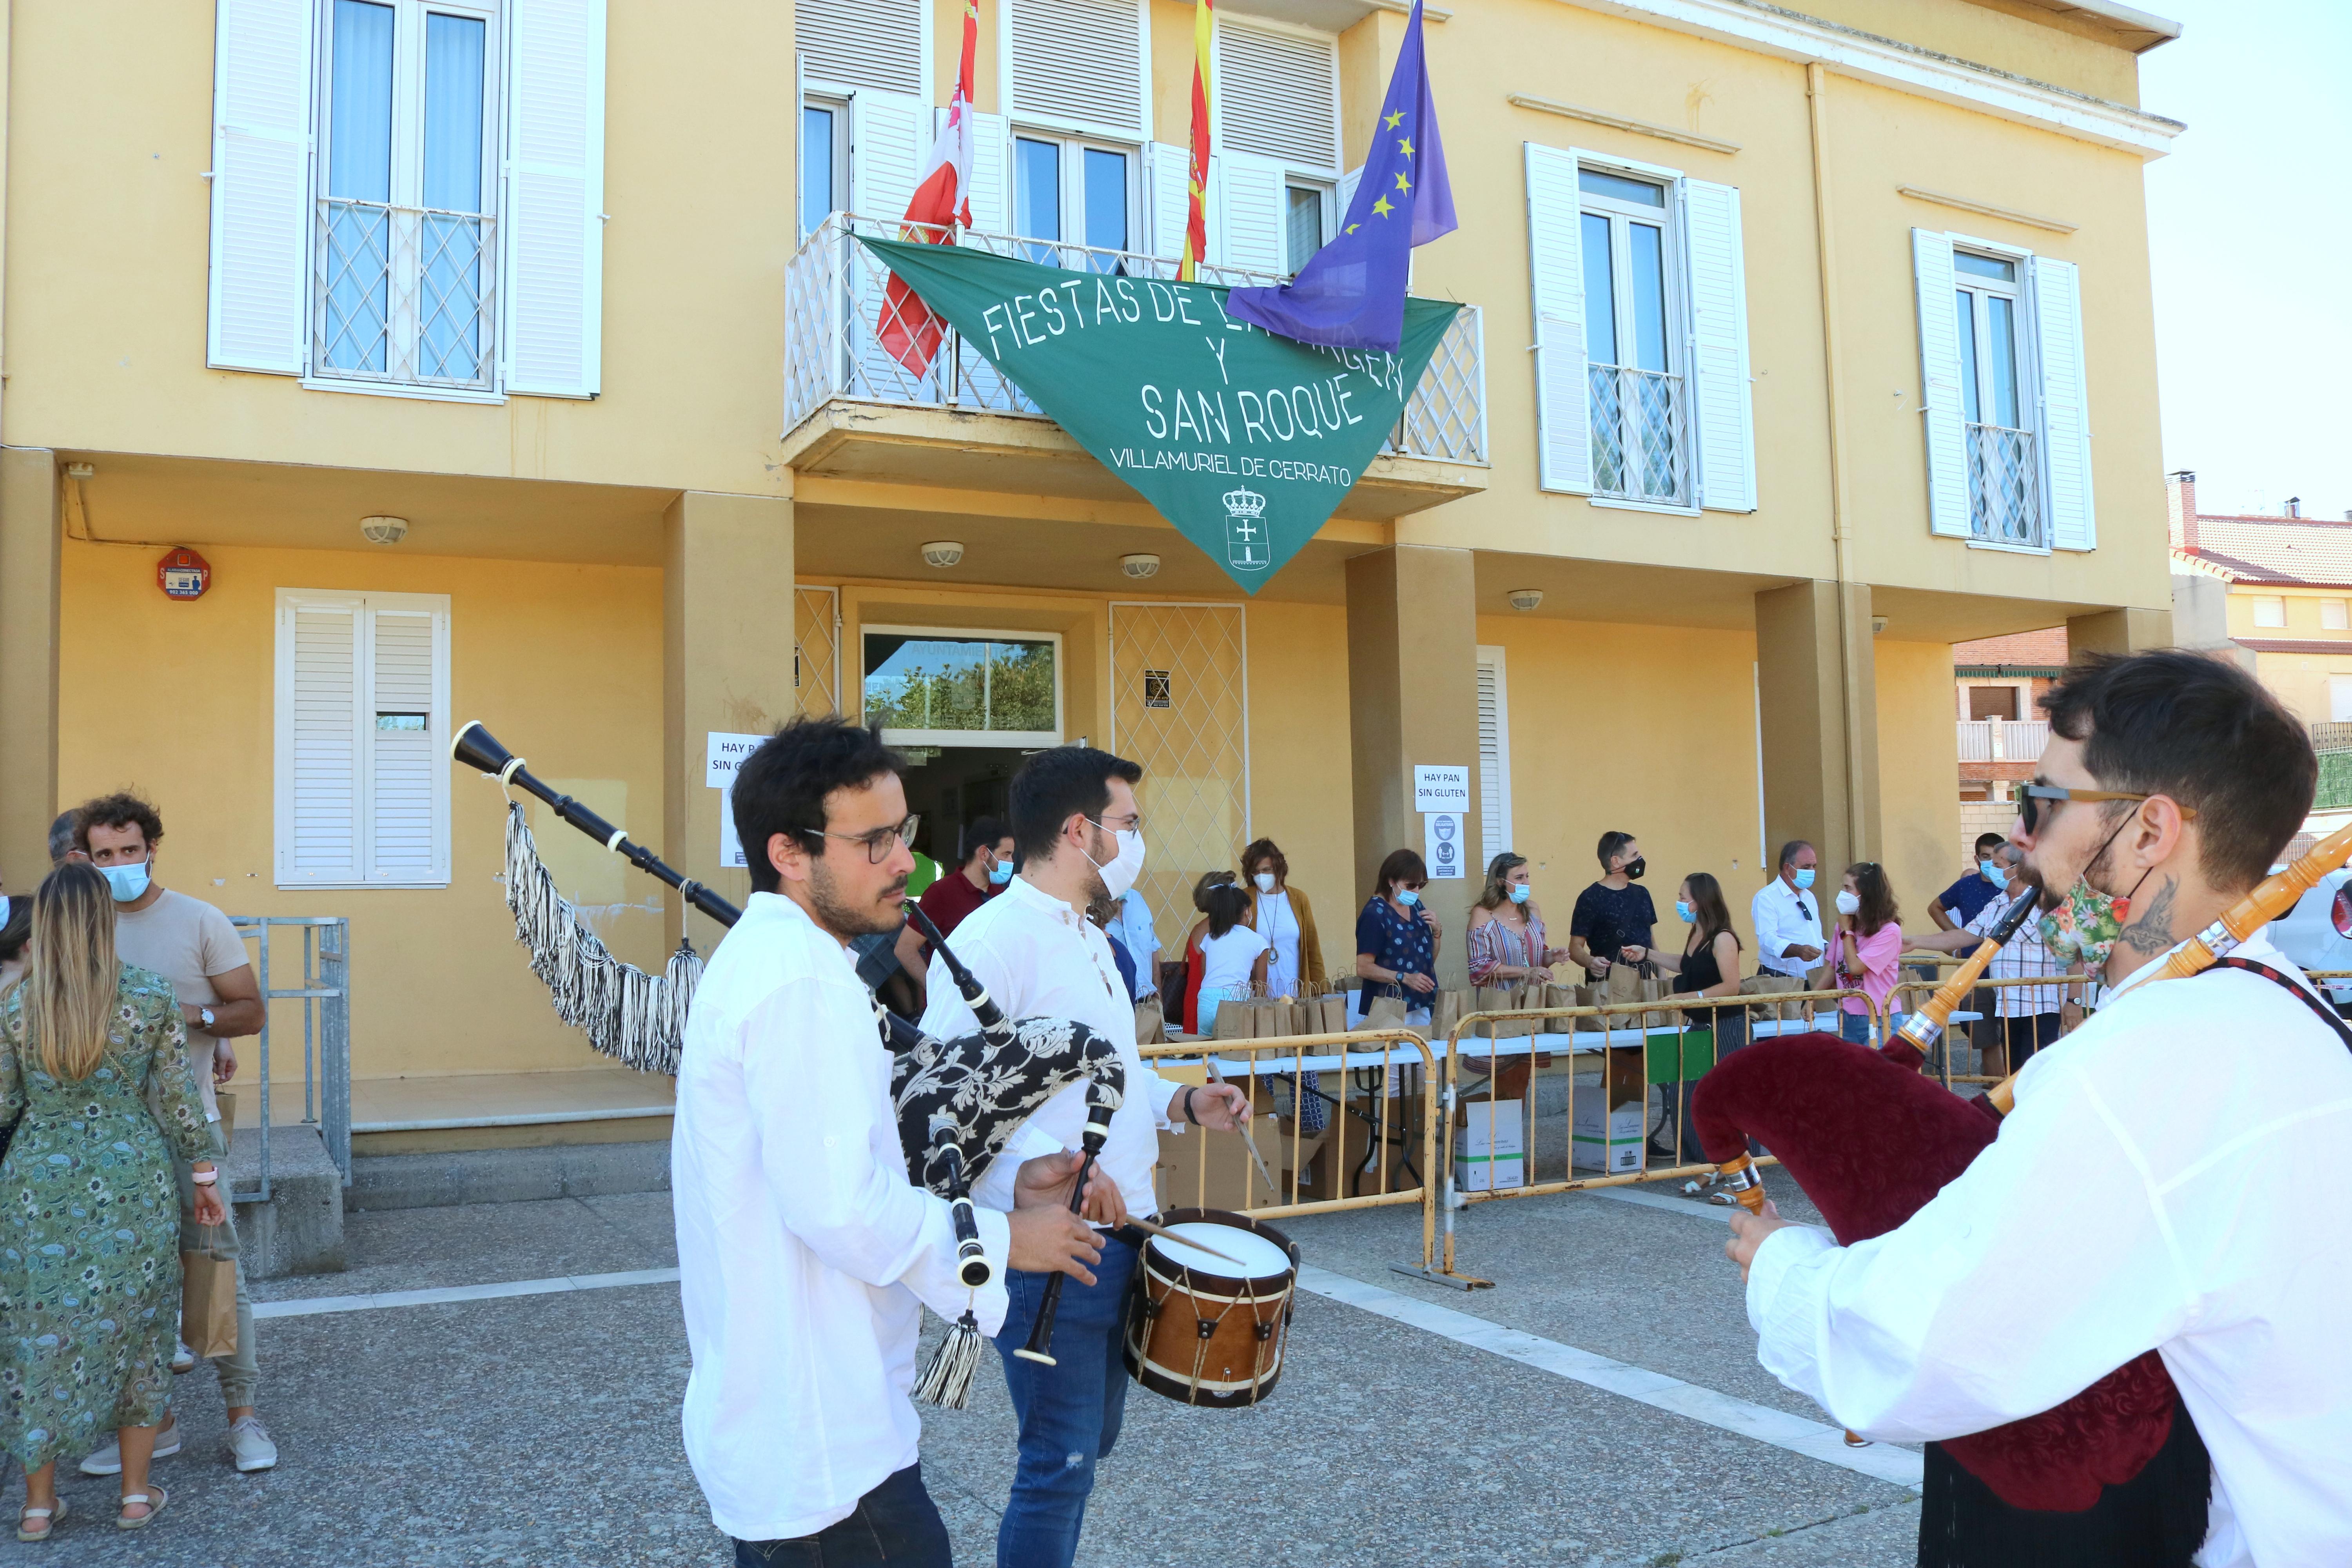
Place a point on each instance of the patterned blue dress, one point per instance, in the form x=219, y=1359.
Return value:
x=89, y=1226
x=1403, y=946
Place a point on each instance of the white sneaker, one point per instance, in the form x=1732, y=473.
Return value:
x=108, y=1459
x=183, y=1359
x=249, y=1444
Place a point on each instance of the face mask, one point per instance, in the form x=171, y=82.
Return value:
x=1804, y=878
x=1521, y=892
x=2087, y=924
x=126, y=882
x=1119, y=874
x=1264, y=881
x=1683, y=911
x=1849, y=903
x=1635, y=867
x=1001, y=873
x=1407, y=896
x=1996, y=873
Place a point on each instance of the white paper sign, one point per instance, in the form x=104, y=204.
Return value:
x=1440, y=788
x=1443, y=836
x=725, y=753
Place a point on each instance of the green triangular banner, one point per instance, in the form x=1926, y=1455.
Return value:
x=1245, y=441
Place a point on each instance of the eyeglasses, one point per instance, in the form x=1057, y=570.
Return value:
x=2029, y=814
x=878, y=843
x=1115, y=825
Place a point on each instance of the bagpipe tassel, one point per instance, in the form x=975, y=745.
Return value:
x=946, y=1381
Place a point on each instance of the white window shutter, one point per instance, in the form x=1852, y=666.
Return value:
x=1939, y=386
x=1347, y=192
x=888, y=143
x=1171, y=193
x=1494, y=756
x=1720, y=392
x=862, y=43
x=2065, y=407
x=1555, y=265
x=319, y=741
x=407, y=801
x=1250, y=210
x=991, y=213
x=1278, y=93
x=257, y=311
x=1078, y=60
x=555, y=197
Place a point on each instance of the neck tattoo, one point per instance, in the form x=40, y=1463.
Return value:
x=2152, y=932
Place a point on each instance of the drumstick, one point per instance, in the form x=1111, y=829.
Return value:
x=1243, y=1127
x=1156, y=1229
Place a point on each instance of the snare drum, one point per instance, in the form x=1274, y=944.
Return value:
x=1201, y=1330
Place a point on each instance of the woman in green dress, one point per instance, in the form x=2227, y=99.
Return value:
x=89, y=1214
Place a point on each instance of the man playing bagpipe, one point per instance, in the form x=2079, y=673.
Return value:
x=2170, y=1181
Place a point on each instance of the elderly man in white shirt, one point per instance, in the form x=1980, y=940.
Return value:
x=803, y=1250
x=1078, y=836
x=1787, y=915
x=2168, y=1179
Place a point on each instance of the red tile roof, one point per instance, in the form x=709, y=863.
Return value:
x=2295, y=645
x=2299, y=550
x=2042, y=649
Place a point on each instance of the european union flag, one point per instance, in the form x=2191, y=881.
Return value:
x=1350, y=293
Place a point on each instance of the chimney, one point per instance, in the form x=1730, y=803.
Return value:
x=2295, y=506
x=2180, y=503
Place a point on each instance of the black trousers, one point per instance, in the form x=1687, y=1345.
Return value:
x=896, y=1524
x=2155, y=1520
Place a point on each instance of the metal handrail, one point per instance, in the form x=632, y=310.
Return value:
x=325, y=995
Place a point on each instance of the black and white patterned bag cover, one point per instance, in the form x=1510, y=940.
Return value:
x=989, y=1086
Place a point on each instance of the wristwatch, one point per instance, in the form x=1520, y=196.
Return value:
x=205, y=1014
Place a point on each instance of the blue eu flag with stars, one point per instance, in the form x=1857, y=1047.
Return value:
x=1350, y=294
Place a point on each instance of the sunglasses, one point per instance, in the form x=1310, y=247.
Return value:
x=2030, y=815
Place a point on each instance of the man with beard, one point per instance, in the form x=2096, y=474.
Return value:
x=1080, y=838
x=803, y=1250
x=2168, y=1179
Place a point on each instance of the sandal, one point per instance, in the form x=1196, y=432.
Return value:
x=55, y=1516
x=154, y=1496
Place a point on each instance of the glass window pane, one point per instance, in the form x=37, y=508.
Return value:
x=359, y=132
x=1984, y=267
x=1037, y=189
x=978, y=684
x=1302, y=226
x=1021, y=686
x=816, y=167
x=1621, y=188
x=453, y=111
x=1965, y=305
x=2000, y=315
x=1105, y=187
x=1600, y=293
x=1649, y=248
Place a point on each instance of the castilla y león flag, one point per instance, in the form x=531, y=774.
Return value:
x=1246, y=441
x=907, y=332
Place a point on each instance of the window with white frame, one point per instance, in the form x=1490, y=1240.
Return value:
x=824, y=160
x=2004, y=403
x=1640, y=291
x=406, y=195
x=1080, y=193
x=2270, y=611
x=2332, y=616
x=867, y=115
x=362, y=723
x=1307, y=219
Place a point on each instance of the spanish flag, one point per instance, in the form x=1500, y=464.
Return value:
x=1196, y=216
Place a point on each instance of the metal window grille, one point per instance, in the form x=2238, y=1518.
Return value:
x=2004, y=486
x=404, y=295
x=816, y=649
x=1640, y=435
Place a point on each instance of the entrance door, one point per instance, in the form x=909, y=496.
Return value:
x=1179, y=706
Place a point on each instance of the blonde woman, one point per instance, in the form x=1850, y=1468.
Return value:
x=1506, y=929
x=90, y=1211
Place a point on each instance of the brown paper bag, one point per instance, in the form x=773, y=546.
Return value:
x=1383, y=1013
x=1589, y=996
x=208, y=1302
x=1767, y=984
x=228, y=1104
x=1334, y=1011
x=1657, y=990
x=1232, y=1021
x=1306, y=1017
x=1446, y=1010
x=1150, y=1024
x=1503, y=999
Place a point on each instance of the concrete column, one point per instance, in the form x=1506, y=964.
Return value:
x=1412, y=698
x=2120, y=631
x=1820, y=740
x=31, y=542
x=726, y=665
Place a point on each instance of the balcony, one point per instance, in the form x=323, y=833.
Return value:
x=2004, y=739
x=851, y=410
x=404, y=296
x=2004, y=488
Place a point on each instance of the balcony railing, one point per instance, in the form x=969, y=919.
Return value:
x=1640, y=435
x=2004, y=486
x=2004, y=739
x=404, y=295
x=836, y=312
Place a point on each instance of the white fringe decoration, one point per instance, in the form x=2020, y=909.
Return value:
x=631, y=1016
x=947, y=1382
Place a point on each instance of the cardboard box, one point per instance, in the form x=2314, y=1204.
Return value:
x=1229, y=1181
x=1612, y=1140
x=1490, y=1145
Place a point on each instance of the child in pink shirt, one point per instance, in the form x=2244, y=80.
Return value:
x=1868, y=941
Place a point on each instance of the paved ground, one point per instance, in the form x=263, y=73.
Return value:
x=542, y=1429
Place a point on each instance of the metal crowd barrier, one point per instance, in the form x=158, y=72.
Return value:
x=325, y=995
x=1682, y=1051
x=1939, y=1062
x=1376, y=1084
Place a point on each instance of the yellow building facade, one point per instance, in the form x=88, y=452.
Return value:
x=1788, y=339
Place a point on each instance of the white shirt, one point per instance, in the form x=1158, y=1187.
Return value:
x=1787, y=917
x=2138, y=1197
x=1141, y=939
x=801, y=1247
x=1039, y=958
x=1227, y=960
x=1278, y=923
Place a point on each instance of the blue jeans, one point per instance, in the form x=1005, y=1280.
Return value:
x=1069, y=1413
x=895, y=1523
x=1854, y=1027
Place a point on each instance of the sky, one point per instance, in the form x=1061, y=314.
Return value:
x=2250, y=235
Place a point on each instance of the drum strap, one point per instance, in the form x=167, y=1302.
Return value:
x=2302, y=993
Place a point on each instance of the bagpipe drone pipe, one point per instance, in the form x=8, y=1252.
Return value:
x=1870, y=1138
x=982, y=1086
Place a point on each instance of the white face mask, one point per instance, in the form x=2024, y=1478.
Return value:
x=1849, y=903
x=1119, y=874
x=126, y=882
x=1264, y=881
